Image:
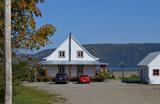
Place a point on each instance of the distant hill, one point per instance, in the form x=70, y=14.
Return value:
x=114, y=54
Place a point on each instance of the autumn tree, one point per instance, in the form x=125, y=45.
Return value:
x=25, y=33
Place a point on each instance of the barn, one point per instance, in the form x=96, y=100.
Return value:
x=149, y=68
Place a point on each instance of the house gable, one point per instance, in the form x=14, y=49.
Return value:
x=71, y=47
x=76, y=47
x=149, y=59
x=55, y=55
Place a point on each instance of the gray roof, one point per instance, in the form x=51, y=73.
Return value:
x=149, y=58
x=50, y=62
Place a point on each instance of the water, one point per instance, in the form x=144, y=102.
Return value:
x=124, y=69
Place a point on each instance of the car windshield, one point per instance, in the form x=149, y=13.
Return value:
x=61, y=75
x=84, y=76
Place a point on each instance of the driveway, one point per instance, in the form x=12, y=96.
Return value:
x=112, y=92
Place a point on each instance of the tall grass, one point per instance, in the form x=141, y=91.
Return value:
x=30, y=95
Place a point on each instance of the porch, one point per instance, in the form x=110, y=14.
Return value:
x=74, y=69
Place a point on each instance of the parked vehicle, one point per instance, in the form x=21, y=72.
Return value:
x=84, y=79
x=61, y=78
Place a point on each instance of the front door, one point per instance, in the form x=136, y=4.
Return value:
x=61, y=69
x=79, y=70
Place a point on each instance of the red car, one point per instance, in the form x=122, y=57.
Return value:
x=84, y=79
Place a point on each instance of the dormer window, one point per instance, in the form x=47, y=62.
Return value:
x=80, y=54
x=61, y=54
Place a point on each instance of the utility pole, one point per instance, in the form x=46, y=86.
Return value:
x=70, y=36
x=122, y=68
x=8, y=59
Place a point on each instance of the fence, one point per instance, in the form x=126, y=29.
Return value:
x=127, y=72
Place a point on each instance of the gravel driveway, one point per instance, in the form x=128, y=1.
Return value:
x=112, y=92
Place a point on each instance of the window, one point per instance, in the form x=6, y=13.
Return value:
x=80, y=54
x=61, y=54
x=61, y=69
x=156, y=72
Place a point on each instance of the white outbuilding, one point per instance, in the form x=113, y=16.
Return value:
x=149, y=68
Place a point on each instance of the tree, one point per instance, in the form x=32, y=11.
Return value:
x=24, y=32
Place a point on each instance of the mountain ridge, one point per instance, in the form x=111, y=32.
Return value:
x=114, y=54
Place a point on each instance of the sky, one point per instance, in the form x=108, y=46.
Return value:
x=102, y=21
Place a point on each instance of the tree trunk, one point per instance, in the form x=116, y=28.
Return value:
x=8, y=59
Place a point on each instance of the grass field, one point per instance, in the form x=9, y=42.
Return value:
x=31, y=95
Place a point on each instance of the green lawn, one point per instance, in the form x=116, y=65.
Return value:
x=30, y=95
x=131, y=78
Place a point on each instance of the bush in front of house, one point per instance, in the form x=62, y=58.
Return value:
x=101, y=75
x=41, y=74
x=110, y=76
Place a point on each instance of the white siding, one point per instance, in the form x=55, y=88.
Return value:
x=52, y=70
x=64, y=47
x=154, y=79
x=155, y=64
x=74, y=71
x=89, y=70
x=74, y=48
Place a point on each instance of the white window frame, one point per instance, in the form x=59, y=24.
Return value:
x=80, y=54
x=61, y=54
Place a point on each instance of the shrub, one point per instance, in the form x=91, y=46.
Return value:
x=22, y=71
x=41, y=72
x=101, y=75
x=110, y=76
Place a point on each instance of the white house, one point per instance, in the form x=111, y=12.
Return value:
x=72, y=58
x=149, y=68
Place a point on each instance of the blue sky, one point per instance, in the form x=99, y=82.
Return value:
x=102, y=21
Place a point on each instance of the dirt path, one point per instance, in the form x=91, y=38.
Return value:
x=112, y=92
